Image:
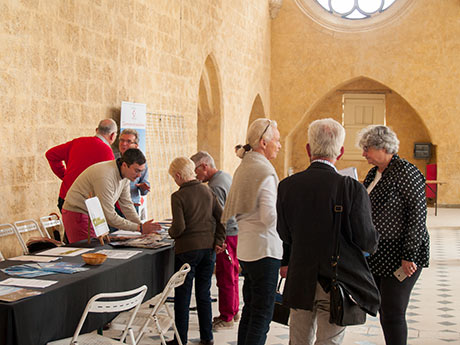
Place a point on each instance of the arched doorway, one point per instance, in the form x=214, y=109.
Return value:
x=210, y=111
x=400, y=116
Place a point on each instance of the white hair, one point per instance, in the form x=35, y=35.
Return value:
x=326, y=138
x=379, y=137
x=203, y=157
x=259, y=129
x=184, y=166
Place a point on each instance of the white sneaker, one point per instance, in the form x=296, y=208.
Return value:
x=237, y=317
x=221, y=324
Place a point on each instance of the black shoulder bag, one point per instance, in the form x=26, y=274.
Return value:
x=344, y=311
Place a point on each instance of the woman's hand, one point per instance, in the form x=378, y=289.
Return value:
x=219, y=249
x=283, y=271
x=408, y=267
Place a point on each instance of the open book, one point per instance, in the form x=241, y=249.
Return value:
x=351, y=171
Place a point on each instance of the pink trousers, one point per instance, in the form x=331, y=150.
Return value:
x=76, y=226
x=227, y=270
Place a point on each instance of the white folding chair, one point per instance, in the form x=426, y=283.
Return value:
x=25, y=227
x=1, y=257
x=51, y=224
x=8, y=230
x=160, y=314
x=95, y=305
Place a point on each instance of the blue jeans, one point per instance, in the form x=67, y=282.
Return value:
x=259, y=288
x=201, y=262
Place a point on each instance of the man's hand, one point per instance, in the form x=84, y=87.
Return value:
x=143, y=186
x=220, y=249
x=283, y=271
x=149, y=227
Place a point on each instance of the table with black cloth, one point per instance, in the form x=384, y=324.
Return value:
x=56, y=312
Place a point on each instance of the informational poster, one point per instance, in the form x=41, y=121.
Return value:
x=96, y=214
x=133, y=115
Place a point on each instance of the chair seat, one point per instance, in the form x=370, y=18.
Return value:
x=87, y=339
x=163, y=319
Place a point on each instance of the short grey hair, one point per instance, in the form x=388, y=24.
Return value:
x=131, y=131
x=326, y=138
x=107, y=127
x=203, y=157
x=379, y=137
x=184, y=166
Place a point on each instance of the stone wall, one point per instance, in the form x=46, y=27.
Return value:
x=416, y=57
x=66, y=64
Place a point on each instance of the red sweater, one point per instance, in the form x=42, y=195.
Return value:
x=77, y=155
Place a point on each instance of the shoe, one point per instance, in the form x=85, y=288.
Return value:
x=221, y=324
x=173, y=342
x=237, y=317
x=206, y=342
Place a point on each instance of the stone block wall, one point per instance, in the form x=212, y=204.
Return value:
x=416, y=56
x=66, y=64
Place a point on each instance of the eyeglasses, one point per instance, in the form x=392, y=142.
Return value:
x=129, y=142
x=199, y=165
x=265, y=130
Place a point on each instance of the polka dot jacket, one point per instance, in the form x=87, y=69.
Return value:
x=399, y=215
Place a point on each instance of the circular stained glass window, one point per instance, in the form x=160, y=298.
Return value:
x=355, y=9
x=353, y=15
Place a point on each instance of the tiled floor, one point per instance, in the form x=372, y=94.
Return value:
x=433, y=315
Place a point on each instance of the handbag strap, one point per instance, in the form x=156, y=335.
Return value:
x=338, y=210
x=279, y=285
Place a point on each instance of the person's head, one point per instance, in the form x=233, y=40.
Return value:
x=205, y=168
x=132, y=164
x=379, y=144
x=108, y=129
x=325, y=139
x=182, y=169
x=263, y=137
x=129, y=138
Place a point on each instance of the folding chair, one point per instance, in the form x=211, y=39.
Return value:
x=95, y=305
x=163, y=321
x=52, y=224
x=1, y=257
x=25, y=227
x=7, y=245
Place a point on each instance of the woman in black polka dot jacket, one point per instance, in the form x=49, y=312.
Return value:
x=397, y=192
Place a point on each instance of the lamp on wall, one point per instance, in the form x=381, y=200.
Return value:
x=274, y=7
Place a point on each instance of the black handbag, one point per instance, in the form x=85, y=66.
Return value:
x=280, y=312
x=344, y=311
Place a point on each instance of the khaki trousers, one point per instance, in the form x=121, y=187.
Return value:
x=306, y=325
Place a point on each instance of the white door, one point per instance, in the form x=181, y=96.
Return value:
x=360, y=111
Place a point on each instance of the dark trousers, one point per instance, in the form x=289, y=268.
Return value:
x=394, y=300
x=202, y=265
x=259, y=288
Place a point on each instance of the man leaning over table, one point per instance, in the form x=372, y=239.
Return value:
x=70, y=159
x=110, y=182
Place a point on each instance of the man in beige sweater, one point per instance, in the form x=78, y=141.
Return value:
x=109, y=181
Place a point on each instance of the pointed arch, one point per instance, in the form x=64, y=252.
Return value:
x=209, y=126
x=400, y=116
x=257, y=110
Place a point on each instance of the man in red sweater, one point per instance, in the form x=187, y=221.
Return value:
x=70, y=159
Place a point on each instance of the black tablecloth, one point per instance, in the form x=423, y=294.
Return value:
x=56, y=312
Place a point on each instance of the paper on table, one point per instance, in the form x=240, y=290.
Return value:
x=34, y=283
x=18, y=294
x=65, y=251
x=126, y=233
x=119, y=254
x=34, y=258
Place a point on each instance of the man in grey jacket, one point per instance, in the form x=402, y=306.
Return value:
x=227, y=267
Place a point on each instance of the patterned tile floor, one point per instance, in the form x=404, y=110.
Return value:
x=433, y=315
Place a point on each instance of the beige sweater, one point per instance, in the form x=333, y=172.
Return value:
x=248, y=177
x=104, y=181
